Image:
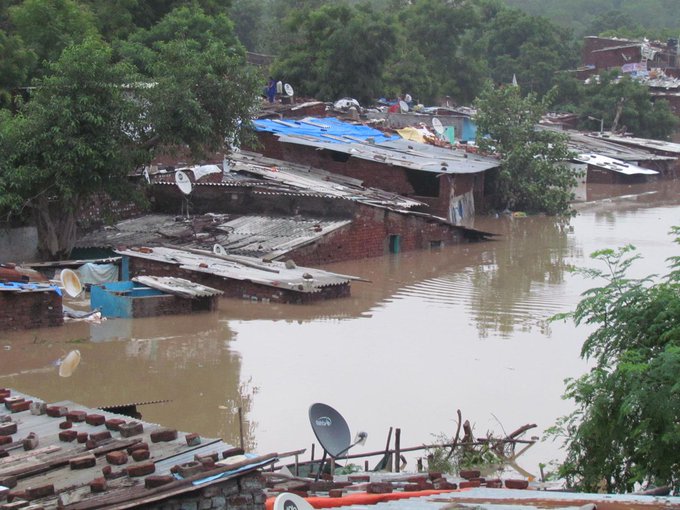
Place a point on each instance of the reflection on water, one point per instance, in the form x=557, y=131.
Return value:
x=462, y=327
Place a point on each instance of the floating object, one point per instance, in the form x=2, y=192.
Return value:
x=183, y=182
x=70, y=282
x=289, y=501
x=289, y=89
x=69, y=364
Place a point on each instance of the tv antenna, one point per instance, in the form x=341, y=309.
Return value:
x=184, y=184
x=332, y=432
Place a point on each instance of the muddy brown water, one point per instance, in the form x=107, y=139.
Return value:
x=459, y=328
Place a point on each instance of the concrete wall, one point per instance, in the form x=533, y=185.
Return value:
x=28, y=310
x=18, y=244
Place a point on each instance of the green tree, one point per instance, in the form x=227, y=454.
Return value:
x=626, y=426
x=15, y=64
x=68, y=143
x=533, y=176
x=340, y=51
x=48, y=26
x=625, y=104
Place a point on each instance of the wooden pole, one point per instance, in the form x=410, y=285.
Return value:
x=397, y=449
x=240, y=427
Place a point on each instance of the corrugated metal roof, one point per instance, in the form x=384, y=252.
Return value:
x=645, y=143
x=48, y=463
x=582, y=142
x=614, y=165
x=315, y=180
x=392, y=151
x=238, y=267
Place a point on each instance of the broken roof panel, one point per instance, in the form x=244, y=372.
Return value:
x=270, y=237
x=583, y=142
x=614, y=165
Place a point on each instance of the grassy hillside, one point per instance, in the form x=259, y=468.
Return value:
x=590, y=17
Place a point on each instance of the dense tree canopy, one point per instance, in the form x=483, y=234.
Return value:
x=626, y=426
x=533, y=176
x=94, y=114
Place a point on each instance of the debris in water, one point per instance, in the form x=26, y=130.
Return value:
x=69, y=364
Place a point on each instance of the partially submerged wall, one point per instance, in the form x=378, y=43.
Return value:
x=236, y=288
x=18, y=244
x=29, y=310
x=244, y=493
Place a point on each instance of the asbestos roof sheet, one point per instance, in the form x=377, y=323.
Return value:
x=271, y=237
x=645, y=143
x=314, y=180
x=242, y=268
x=614, y=165
x=393, y=151
x=177, y=286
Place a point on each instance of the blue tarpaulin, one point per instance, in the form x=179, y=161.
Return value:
x=327, y=129
x=29, y=287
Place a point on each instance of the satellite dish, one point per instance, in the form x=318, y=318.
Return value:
x=70, y=282
x=183, y=182
x=330, y=428
x=289, y=89
x=145, y=173
x=438, y=126
x=218, y=249
x=403, y=106
x=289, y=501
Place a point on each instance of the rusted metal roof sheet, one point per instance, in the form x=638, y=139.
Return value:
x=237, y=267
x=49, y=461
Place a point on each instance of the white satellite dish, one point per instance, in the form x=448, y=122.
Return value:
x=70, y=282
x=145, y=173
x=290, y=501
x=183, y=182
x=403, y=106
x=289, y=89
x=438, y=126
x=218, y=249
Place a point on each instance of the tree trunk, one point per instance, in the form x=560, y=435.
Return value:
x=56, y=226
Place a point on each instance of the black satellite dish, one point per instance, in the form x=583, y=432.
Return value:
x=330, y=428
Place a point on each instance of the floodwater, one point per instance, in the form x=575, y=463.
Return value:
x=435, y=331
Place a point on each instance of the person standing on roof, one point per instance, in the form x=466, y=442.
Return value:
x=271, y=89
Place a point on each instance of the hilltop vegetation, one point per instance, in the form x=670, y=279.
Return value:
x=653, y=18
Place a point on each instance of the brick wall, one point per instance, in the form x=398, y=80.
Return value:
x=28, y=310
x=236, y=288
x=102, y=210
x=378, y=175
x=369, y=236
x=244, y=493
x=151, y=306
